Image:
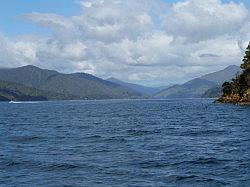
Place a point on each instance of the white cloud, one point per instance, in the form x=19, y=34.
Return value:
x=146, y=41
x=18, y=52
x=201, y=20
x=86, y=4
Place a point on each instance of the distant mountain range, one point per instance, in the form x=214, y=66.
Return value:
x=50, y=84
x=144, y=90
x=197, y=87
x=33, y=83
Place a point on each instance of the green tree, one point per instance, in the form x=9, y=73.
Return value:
x=242, y=81
x=246, y=59
x=227, y=88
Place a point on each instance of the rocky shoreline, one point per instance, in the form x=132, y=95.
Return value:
x=236, y=99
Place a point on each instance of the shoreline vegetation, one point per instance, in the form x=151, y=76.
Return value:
x=238, y=90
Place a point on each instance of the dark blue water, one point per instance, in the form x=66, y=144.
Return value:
x=124, y=143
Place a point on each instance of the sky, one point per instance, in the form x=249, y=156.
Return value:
x=150, y=42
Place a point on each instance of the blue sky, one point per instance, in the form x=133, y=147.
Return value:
x=12, y=23
x=11, y=11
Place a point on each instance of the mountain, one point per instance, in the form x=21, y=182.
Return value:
x=149, y=91
x=33, y=83
x=195, y=88
x=74, y=86
x=191, y=89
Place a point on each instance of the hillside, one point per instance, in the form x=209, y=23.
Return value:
x=195, y=88
x=17, y=92
x=76, y=85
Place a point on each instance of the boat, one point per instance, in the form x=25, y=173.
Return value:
x=14, y=101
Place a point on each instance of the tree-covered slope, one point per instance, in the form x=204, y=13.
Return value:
x=17, y=92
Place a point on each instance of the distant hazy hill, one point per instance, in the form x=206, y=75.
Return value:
x=197, y=87
x=77, y=85
x=214, y=92
x=191, y=89
x=221, y=76
x=136, y=87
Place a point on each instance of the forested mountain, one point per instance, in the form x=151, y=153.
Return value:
x=74, y=86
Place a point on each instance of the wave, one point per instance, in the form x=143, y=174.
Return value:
x=22, y=139
x=208, y=132
x=142, y=132
x=202, y=161
x=194, y=178
x=208, y=161
x=61, y=166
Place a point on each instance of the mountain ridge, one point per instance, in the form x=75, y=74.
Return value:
x=86, y=86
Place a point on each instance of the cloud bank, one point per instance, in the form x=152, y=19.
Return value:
x=144, y=41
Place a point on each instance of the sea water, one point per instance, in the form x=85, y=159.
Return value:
x=179, y=142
